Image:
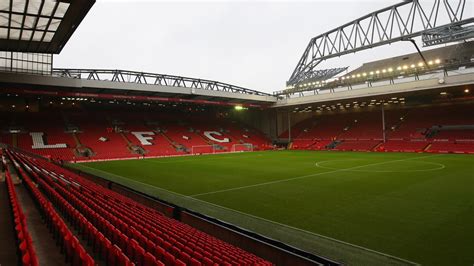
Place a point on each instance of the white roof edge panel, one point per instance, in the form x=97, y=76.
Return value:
x=121, y=86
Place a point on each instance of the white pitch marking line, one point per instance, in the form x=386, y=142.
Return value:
x=305, y=176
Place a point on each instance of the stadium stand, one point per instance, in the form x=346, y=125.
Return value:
x=120, y=230
x=430, y=129
x=100, y=135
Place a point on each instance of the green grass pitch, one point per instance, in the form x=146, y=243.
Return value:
x=418, y=207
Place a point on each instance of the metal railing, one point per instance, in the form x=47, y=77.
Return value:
x=117, y=75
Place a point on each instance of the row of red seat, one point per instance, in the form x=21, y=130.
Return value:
x=144, y=235
x=359, y=145
x=404, y=146
x=25, y=244
x=303, y=143
x=75, y=253
x=450, y=146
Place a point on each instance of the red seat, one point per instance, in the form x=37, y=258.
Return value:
x=185, y=257
x=208, y=262
x=150, y=260
x=195, y=262
x=159, y=253
x=168, y=258
x=179, y=263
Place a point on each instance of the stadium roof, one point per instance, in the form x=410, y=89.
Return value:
x=130, y=85
x=39, y=26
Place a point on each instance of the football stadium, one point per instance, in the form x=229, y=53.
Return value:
x=367, y=164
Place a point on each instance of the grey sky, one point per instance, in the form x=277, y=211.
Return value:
x=254, y=44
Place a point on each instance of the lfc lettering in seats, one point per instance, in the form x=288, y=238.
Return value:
x=212, y=135
x=40, y=143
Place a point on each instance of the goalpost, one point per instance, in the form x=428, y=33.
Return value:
x=242, y=147
x=203, y=149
